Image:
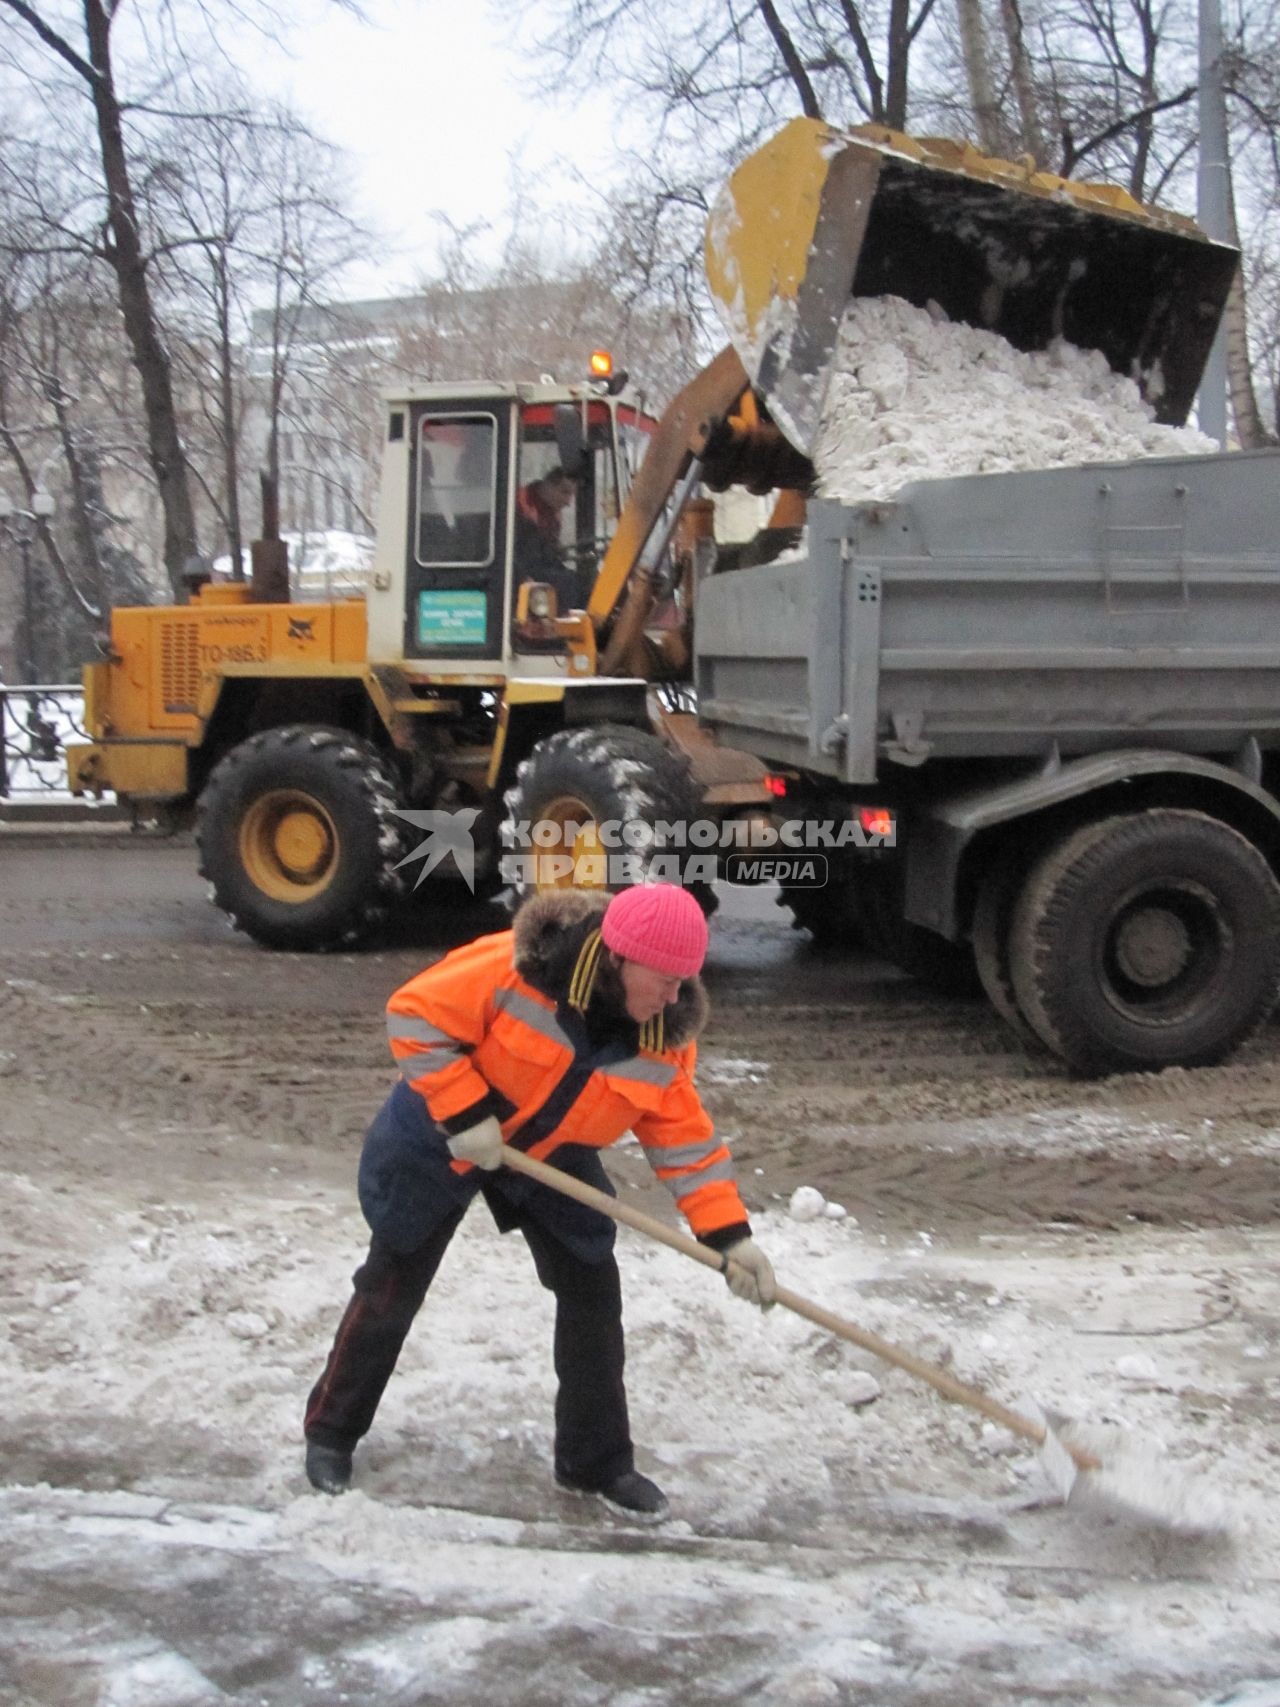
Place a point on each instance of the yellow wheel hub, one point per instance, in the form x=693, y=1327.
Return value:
x=580, y=840
x=289, y=845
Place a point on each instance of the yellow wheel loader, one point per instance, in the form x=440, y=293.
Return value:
x=509, y=663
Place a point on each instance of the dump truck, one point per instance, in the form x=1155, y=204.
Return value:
x=313, y=744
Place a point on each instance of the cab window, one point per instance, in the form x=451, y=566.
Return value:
x=456, y=490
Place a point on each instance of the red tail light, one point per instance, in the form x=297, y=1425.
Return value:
x=876, y=820
x=776, y=786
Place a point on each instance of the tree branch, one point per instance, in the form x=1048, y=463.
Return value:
x=1072, y=156
x=52, y=39
x=790, y=58
x=867, y=60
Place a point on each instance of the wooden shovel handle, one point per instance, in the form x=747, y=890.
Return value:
x=884, y=1349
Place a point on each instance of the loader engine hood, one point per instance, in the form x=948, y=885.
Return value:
x=818, y=215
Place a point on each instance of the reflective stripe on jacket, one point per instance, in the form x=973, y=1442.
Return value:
x=472, y=1038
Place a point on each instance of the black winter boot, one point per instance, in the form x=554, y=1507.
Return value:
x=328, y=1468
x=630, y=1494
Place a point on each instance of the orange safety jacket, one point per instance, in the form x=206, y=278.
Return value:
x=473, y=1037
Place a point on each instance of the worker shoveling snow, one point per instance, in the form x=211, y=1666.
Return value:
x=915, y=396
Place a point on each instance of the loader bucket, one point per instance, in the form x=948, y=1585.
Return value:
x=817, y=215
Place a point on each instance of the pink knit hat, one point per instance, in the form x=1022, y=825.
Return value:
x=658, y=926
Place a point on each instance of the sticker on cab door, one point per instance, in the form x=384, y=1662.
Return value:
x=452, y=619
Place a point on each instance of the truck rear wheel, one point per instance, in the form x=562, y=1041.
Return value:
x=579, y=780
x=298, y=837
x=992, y=927
x=1147, y=940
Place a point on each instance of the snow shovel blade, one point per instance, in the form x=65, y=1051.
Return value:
x=1056, y=1462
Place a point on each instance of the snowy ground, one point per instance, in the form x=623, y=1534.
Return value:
x=163, y=1547
x=178, y=1235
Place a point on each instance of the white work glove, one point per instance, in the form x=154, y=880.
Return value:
x=481, y=1144
x=750, y=1274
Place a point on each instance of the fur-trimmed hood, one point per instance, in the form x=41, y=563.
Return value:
x=549, y=932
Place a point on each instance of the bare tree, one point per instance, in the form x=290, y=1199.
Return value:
x=1022, y=79
x=122, y=246
x=746, y=63
x=1251, y=76
x=707, y=80
x=303, y=240
x=127, y=96
x=255, y=202
x=60, y=425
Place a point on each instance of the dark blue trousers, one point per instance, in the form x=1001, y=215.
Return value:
x=572, y=1250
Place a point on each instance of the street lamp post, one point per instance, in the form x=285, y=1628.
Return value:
x=20, y=526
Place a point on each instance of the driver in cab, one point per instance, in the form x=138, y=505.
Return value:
x=540, y=507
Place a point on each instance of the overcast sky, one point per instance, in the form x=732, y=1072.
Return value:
x=429, y=100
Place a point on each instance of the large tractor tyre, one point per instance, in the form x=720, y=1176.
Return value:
x=830, y=914
x=1147, y=940
x=946, y=967
x=992, y=926
x=590, y=778
x=298, y=837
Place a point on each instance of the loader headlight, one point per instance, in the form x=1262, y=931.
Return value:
x=542, y=602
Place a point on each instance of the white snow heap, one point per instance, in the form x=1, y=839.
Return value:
x=325, y=563
x=915, y=396
x=807, y=1203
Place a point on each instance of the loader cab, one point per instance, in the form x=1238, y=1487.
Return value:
x=458, y=467
x=585, y=453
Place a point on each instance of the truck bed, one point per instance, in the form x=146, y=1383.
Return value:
x=1084, y=608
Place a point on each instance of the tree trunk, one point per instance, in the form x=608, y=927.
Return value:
x=164, y=443
x=1245, y=412
x=896, y=86
x=81, y=527
x=1024, y=87
x=229, y=432
x=977, y=70
x=1250, y=430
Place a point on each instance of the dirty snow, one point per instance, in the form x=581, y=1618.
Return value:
x=178, y=1234
x=915, y=396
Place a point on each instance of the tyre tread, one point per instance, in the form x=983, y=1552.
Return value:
x=370, y=907
x=1041, y=917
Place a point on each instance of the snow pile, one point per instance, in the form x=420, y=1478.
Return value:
x=326, y=564
x=808, y=1204
x=1140, y=1486
x=915, y=396
x=332, y=564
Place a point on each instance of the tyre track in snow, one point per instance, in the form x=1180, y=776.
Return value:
x=906, y=1106
x=909, y=1108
